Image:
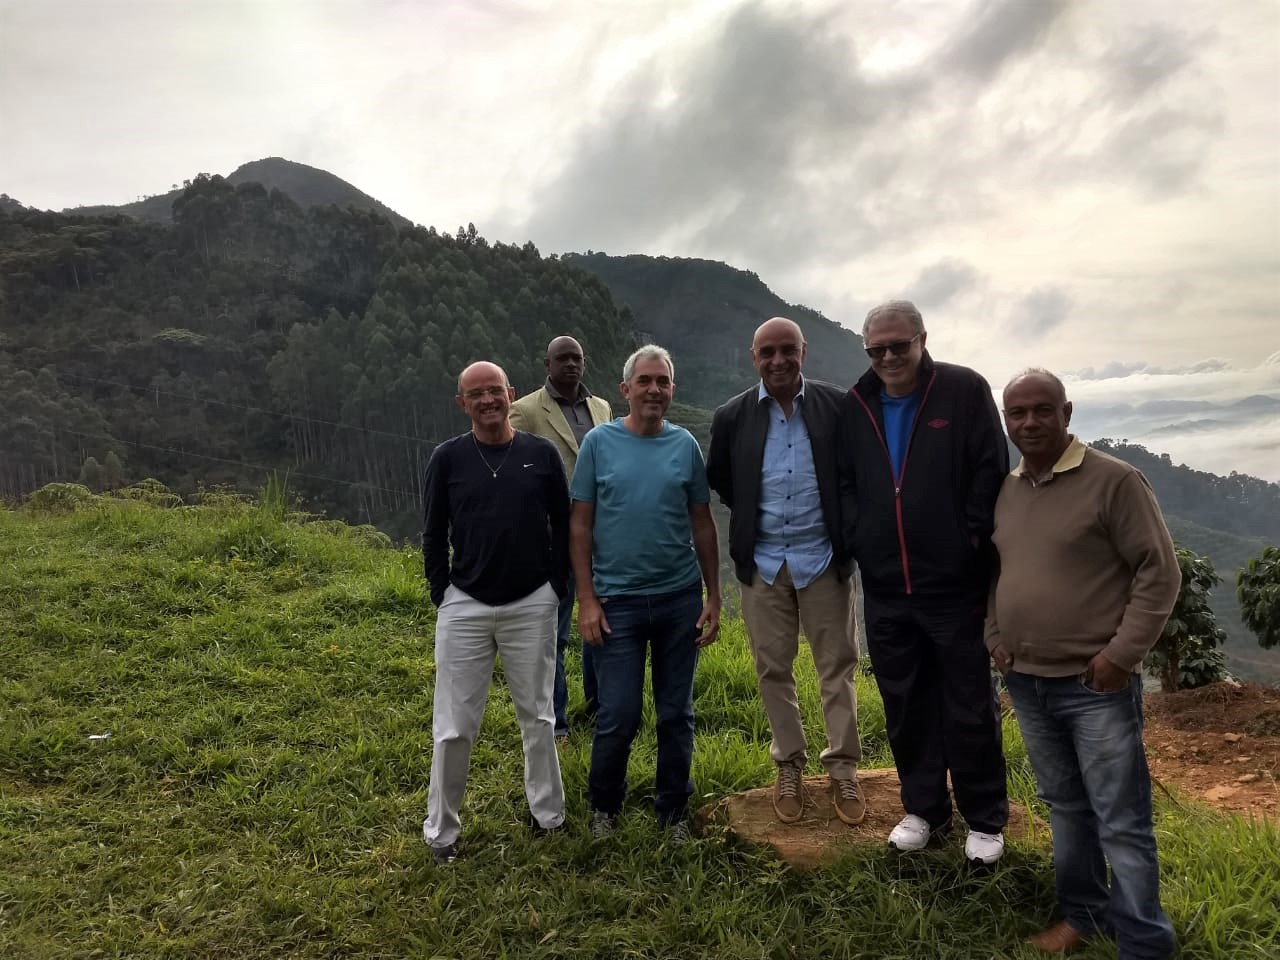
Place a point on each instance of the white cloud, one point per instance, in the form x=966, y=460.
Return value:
x=939, y=282
x=1117, y=369
x=1043, y=310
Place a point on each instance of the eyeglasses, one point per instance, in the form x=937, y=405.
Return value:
x=898, y=348
x=494, y=392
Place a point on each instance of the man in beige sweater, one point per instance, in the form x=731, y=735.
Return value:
x=1087, y=580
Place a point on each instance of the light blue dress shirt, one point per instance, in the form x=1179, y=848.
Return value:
x=790, y=528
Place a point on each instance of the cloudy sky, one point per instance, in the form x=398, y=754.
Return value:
x=1091, y=186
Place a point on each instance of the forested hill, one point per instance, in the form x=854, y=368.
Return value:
x=254, y=335
x=706, y=313
x=306, y=186
x=1238, y=503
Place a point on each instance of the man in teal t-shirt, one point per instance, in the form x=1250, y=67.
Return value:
x=643, y=542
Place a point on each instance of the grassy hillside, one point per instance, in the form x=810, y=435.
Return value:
x=215, y=737
x=697, y=420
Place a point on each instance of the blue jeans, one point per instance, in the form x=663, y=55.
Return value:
x=560, y=691
x=664, y=625
x=1091, y=769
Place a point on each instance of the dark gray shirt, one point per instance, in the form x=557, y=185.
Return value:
x=576, y=411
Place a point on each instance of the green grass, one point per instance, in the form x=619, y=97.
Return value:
x=267, y=686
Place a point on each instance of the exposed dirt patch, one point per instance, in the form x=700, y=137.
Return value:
x=1218, y=745
x=821, y=837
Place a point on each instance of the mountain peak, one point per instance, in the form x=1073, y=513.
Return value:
x=305, y=185
x=310, y=186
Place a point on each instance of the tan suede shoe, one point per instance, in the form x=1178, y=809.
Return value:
x=788, y=793
x=846, y=797
x=1062, y=938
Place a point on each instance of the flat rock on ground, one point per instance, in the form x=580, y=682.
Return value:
x=1217, y=746
x=820, y=837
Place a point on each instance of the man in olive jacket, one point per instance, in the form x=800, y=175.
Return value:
x=563, y=410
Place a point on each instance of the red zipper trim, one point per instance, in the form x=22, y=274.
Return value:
x=897, y=481
x=902, y=538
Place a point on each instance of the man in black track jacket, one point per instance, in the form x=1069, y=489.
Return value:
x=922, y=458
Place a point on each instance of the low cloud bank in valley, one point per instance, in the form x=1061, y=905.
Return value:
x=1210, y=415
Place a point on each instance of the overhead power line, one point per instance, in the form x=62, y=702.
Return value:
x=238, y=406
x=239, y=463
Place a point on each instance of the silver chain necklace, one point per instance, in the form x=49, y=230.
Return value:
x=491, y=469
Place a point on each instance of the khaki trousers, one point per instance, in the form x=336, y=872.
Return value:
x=774, y=614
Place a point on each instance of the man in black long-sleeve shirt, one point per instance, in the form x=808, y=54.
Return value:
x=499, y=498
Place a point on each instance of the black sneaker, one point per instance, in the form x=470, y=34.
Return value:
x=446, y=854
x=540, y=831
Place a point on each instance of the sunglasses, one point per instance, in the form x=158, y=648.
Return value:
x=898, y=348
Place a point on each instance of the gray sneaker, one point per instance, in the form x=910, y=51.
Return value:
x=602, y=824
x=679, y=833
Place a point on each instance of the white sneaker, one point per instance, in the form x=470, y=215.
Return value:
x=911, y=833
x=983, y=848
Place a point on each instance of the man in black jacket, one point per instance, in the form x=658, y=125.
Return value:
x=773, y=463
x=922, y=458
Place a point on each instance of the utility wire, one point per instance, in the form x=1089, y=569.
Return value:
x=237, y=463
x=239, y=406
x=227, y=403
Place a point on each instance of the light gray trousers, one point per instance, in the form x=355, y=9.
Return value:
x=468, y=636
